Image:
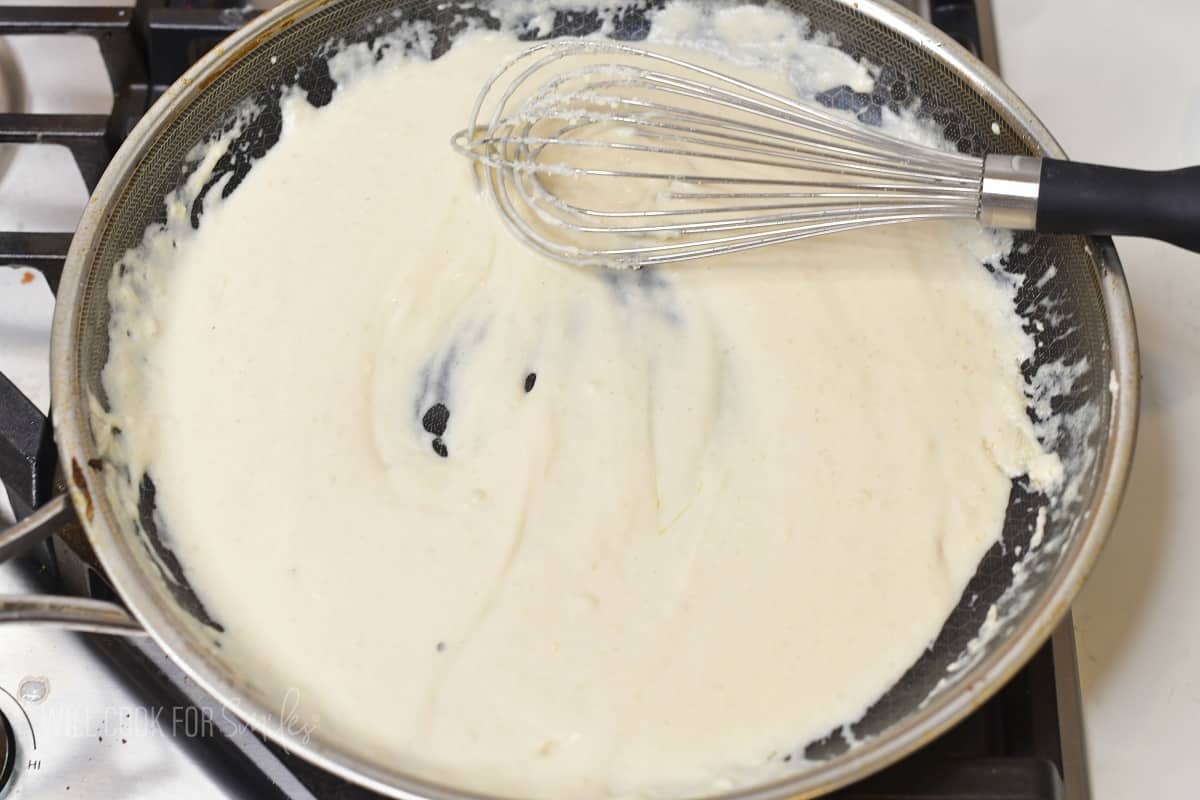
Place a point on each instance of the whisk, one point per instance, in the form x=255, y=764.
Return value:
x=599, y=152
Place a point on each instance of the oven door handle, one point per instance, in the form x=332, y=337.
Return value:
x=64, y=611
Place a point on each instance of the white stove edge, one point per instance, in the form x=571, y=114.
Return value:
x=1120, y=83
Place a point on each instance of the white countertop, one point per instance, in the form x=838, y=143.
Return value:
x=1119, y=82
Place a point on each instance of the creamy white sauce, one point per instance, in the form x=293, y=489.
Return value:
x=737, y=502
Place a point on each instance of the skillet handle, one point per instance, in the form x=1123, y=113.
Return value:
x=26, y=469
x=1109, y=201
x=73, y=613
x=64, y=611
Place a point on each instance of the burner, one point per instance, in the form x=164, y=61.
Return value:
x=7, y=751
x=1024, y=744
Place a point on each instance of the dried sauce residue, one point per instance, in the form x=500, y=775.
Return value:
x=80, y=483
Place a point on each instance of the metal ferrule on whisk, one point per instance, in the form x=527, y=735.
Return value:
x=1008, y=196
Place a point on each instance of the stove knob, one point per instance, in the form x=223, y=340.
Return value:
x=8, y=751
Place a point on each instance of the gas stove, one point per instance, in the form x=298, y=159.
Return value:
x=103, y=716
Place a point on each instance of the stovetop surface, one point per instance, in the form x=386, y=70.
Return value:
x=98, y=716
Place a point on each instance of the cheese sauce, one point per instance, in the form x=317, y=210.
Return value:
x=544, y=531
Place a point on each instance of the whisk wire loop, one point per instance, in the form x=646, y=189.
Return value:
x=599, y=152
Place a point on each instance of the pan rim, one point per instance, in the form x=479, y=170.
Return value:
x=940, y=713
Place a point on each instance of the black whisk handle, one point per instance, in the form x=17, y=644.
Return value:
x=1074, y=197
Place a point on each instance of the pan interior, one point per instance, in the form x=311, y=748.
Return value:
x=1060, y=299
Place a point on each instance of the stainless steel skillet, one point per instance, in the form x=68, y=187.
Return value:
x=1073, y=292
